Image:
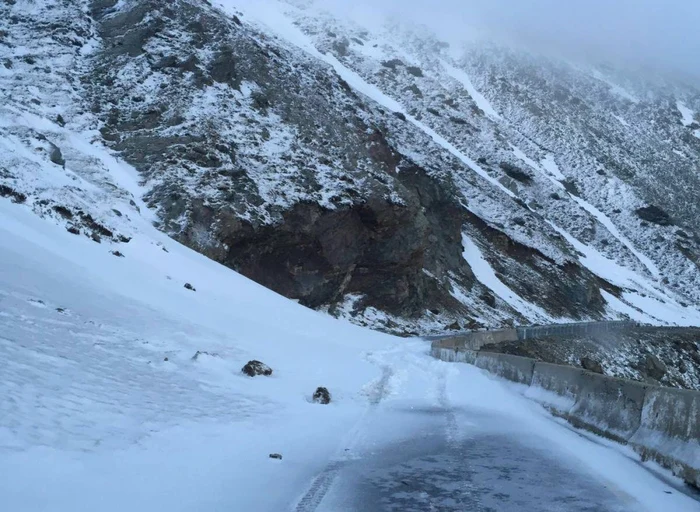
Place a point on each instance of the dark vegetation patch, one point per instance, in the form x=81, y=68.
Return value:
x=516, y=173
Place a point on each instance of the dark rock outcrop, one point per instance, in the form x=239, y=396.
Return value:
x=516, y=173
x=655, y=215
x=255, y=367
x=322, y=396
x=591, y=365
x=654, y=367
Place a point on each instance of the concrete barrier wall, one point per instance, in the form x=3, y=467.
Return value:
x=515, y=368
x=661, y=424
x=670, y=431
x=476, y=340
x=453, y=355
x=606, y=405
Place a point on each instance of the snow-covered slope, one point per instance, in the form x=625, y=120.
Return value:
x=576, y=192
x=118, y=379
x=122, y=389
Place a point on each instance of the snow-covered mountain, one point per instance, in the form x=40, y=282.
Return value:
x=260, y=139
x=375, y=173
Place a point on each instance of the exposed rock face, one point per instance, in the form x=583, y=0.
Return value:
x=654, y=367
x=377, y=248
x=516, y=173
x=260, y=156
x=654, y=214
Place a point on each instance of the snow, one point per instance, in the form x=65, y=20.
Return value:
x=90, y=397
x=105, y=407
x=270, y=14
x=607, y=222
x=485, y=274
x=615, y=88
x=550, y=169
x=622, y=121
x=95, y=418
x=549, y=164
x=652, y=302
x=619, y=306
x=478, y=98
x=687, y=115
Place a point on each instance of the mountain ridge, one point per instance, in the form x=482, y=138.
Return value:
x=370, y=181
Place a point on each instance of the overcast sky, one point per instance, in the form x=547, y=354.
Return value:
x=663, y=34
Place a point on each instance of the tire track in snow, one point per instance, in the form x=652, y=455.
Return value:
x=379, y=391
x=324, y=480
x=319, y=488
x=451, y=427
x=455, y=443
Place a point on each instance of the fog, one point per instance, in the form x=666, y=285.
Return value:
x=662, y=35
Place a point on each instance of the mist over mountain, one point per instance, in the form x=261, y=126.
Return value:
x=649, y=35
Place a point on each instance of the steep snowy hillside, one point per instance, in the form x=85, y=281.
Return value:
x=121, y=390
x=373, y=173
x=125, y=124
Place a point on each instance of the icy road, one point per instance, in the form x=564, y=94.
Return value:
x=121, y=389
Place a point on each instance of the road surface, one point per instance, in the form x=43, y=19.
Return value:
x=479, y=449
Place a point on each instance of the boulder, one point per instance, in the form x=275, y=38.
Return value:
x=56, y=156
x=592, y=365
x=415, y=71
x=654, y=367
x=254, y=367
x=655, y=215
x=516, y=173
x=322, y=396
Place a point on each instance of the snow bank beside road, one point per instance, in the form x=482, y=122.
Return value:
x=101, y=392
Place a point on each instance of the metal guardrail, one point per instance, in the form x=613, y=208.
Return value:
x=530, y=332
x=477, y=339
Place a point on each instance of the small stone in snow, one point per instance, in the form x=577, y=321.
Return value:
x=253, y=368
x=322, y=396
x=276, y=456
x=190, y=287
